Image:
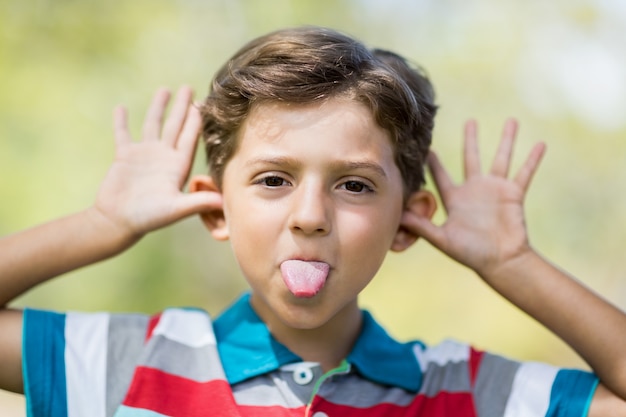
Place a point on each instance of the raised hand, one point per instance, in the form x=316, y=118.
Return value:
x=143, y=189
x=485, y=226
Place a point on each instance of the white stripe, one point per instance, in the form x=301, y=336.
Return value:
x=86, y=338
x=447, y=351
x=124, y=411
x=189, y=327
x=530, y=394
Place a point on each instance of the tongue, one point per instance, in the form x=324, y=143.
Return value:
x=304, y=279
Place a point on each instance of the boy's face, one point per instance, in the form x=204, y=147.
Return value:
x=318, y=185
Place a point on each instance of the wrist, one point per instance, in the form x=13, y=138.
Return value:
x=113, y=235
x=500, y=272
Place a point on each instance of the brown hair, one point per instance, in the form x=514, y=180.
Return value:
x=310, y=64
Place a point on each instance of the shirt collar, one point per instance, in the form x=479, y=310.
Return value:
x=247, y=349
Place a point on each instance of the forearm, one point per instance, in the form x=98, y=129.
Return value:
x=33, y=256
x=594, y=328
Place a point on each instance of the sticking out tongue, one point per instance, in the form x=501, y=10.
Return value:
x=303, y=278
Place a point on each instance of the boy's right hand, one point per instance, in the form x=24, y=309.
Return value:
x=141, y=192
x=143, y=188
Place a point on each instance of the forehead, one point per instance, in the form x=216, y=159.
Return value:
x=334, y=138
x=347, y=122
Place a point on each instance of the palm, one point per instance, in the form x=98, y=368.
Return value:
x=143, y=188
x=485, y=224
x=485, y=221
x=143, y=184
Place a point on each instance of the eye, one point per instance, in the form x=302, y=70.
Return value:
x=272, y=181
x=356, y=187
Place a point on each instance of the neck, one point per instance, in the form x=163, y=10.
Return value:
x=327, y=344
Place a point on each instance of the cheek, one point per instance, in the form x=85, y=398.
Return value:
x=369, y=236
x=251, y=228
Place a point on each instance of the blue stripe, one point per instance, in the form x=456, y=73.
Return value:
x=43, y=363
x=571, y=394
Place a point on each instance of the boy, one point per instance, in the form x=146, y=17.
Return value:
x=316, y=146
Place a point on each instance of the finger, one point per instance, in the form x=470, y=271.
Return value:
x=470, y=150
x=191, y=129
x=442, y=179
x=177, y=116
x=154, y=115
x=502, y=160
x=198, y=202
x=120, y=126
x=425, y=228
x=528, y=169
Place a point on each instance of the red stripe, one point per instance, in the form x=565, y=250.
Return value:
x=172, y=395
x=444, y=404
x=154, y=320
x=270, y=411
x=474, y=363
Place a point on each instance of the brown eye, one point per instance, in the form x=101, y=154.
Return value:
x=273, y=181
x=355, y=186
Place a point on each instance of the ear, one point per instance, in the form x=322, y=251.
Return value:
x=421, y=203
x=214, y=218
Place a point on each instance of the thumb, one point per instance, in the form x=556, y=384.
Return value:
x=199, y=202
x=422, y=226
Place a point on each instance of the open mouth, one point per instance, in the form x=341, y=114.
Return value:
x=304, y=279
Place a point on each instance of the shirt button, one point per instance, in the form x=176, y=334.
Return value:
x=320, y=414
x=302, y=375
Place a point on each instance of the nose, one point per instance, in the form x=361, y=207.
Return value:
x=310, y=211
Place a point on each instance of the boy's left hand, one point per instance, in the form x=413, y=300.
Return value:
x=485, y=228
x=486, y=231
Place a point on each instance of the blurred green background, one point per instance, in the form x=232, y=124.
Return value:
x=559, y=67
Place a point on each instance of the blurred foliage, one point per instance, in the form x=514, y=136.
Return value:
x=559, y=67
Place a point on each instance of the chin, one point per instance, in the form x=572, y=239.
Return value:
x=303, y=316
x=303, y=321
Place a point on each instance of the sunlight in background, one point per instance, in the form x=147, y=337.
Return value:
x=560, y=67
x=575, y=63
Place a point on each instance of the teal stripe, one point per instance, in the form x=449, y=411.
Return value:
x=43, y=363
x=593, y=390
x=571, y=393
x=124, y=411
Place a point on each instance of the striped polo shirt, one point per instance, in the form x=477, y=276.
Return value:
x=181, y=363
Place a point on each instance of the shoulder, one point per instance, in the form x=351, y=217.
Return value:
x=86, y=361
x=87, y=338
x=503, y=386
x=189, y=325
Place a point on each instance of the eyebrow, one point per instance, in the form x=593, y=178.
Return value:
x=282, y=161
x=279, y=161
x=365, y=165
